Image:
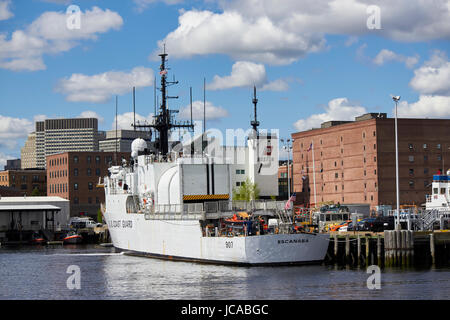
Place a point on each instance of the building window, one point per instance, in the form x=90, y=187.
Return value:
x=89, y=172
x=439, y=157
x=438, y=146
x=89, y=200
x=425, y=183
x=75, y=159
x=424, y=146
x=238, y=184
x=425, y=158
x=97, y=200
x=23, y=187
x=335, y=164
x=75, y=200
x=364, y=134
x=88, y=158
x=335, y=188
x=364, y=172
x=90, y=185
x=374, y=159
x=411, y=158
x=75, y=186
x=97, y=172
x=374, y=146
x=97, y=159
x=411, y=172
x=375, y=172
x=24, y=178
x=336, y=175
x=371, y=197
x=75, y=172
x=411, y=183
x=410, y=146
x=442, y=190
x=425, y=170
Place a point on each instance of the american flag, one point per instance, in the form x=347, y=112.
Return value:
x=310, y=147
x=288, y=203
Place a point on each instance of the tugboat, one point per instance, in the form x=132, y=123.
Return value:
x=72, y=238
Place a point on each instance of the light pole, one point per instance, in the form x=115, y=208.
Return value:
x=397, y=226
x=288, y=147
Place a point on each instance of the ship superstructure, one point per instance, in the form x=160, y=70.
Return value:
x=175, y=204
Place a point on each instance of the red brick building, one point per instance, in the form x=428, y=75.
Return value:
x=74, y=176
x=355, y=160
x=25, y=181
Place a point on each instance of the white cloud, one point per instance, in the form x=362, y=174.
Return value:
x=125, y=120
x=5, y=12
x=337, y=109
x=247, y=74
x=280, y=32
x=212, y=112
x=91, y=114
x=387, y=55
x=425, y=107
x=351, y=40
x=100, y=88
x=48, y=34
x=433, y=78
x=12, y=129
x=205, y=32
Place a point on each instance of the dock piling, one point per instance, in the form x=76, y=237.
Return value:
x=432, y=249
x=347, y=249
x=359, y=250
x=367, y=250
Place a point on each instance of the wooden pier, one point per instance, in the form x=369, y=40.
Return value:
x=391, y=248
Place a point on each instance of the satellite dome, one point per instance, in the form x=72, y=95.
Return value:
x=137, y=146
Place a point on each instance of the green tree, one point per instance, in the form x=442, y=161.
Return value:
x=99, y=216
x=247, y=191
x=35, y=192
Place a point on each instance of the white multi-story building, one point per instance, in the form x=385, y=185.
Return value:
x=65, y=135
x=28, y=152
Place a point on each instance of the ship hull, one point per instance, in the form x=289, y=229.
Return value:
x=183, y=240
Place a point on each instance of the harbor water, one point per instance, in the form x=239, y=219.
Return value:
x=44, y=273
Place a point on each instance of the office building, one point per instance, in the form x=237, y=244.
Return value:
x=28, y=152
x=121, y=140
x=54, y=136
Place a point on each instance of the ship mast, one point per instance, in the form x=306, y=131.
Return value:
x=255, y=122
x=164, y=122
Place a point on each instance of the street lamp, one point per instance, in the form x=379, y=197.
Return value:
x=288, y=147
x=396, y=100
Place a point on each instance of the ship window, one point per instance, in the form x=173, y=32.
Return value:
x=442, y=190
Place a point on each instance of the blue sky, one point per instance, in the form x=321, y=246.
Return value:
x=312, y=61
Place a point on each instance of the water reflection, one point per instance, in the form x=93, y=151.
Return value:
x=40, y=273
